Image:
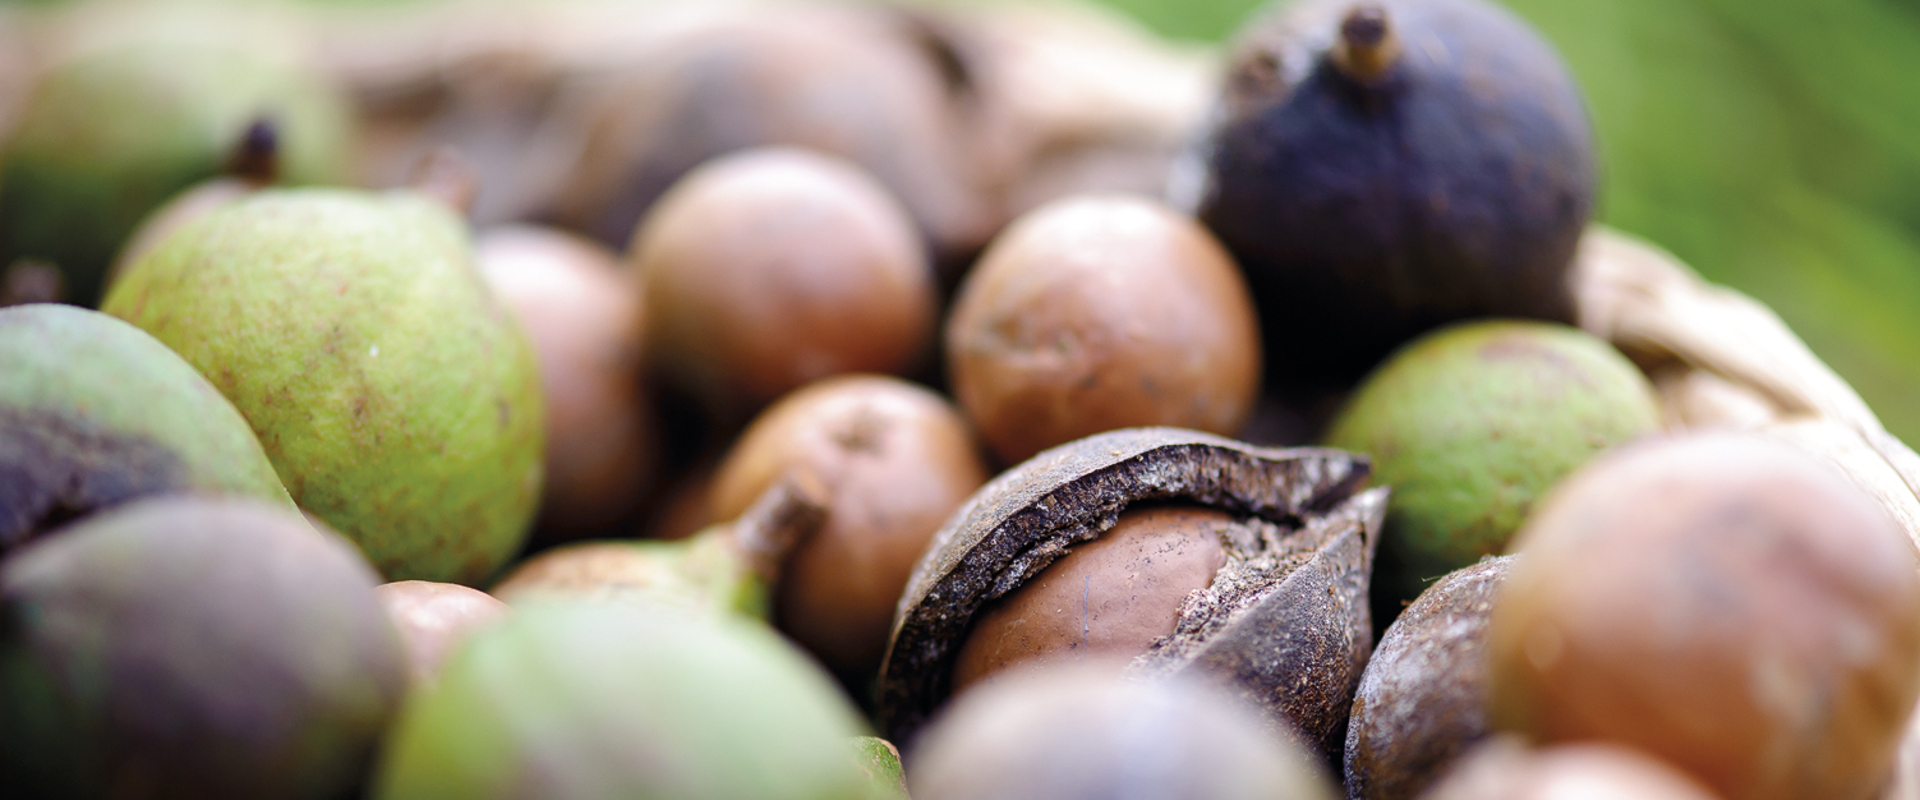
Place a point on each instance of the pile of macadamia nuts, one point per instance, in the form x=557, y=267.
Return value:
x=987, y=362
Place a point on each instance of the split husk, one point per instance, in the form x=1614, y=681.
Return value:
x=1285, y=623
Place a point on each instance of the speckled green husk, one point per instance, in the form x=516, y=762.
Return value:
x=1470, y=425
x=398, y=401
x=192, y=648
x=577, y=701
x=881, y=761
x=703, y=573
x=108, y=135
x=94, y=412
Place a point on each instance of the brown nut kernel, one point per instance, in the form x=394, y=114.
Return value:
x=770, y=268
x=1723, y=602
x=1284, y=622
x=896, y=460
x=584, y=321
x=1422, y=701
x=1100, y=312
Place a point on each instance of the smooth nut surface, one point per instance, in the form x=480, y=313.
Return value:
x=896, y=459
x=1112, y=597
x=770, y=268
x=584, y=319
x=1081, y=731
x=1723, y=602
x=434, y=618
x=1504, y=769
x=1100, y=312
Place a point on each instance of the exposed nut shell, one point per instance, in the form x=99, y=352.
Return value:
x=1149, y=566
x=584, y=320
x=1101, y=312
x=770, y=268
x=1724, y=602
x=896, y=459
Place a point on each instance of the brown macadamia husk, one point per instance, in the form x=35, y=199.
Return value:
x=584, y=318
x=768, y=269
x=1723, y=602
x=896, y=459
x=1144, y=571
x=1100, y=312
x=434, y=618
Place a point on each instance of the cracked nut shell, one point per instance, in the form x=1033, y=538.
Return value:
x=1285, y=623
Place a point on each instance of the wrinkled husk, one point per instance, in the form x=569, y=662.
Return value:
x=1723, y=360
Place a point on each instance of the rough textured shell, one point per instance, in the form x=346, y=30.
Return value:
x=1422, y=700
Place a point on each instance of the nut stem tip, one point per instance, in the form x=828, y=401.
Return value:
x=1367, y=48
x=783, y=517
x=255, y=158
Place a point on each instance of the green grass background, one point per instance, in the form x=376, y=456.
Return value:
x=1772, y=144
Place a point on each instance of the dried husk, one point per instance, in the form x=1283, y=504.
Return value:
x=1285, y=623
x=1049, y=98
x=1723, y=360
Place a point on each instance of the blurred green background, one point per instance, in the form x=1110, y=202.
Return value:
x=1774, y=145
